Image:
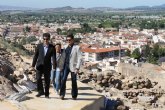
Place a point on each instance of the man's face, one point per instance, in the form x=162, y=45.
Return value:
x=46, y=40
x=69, y=40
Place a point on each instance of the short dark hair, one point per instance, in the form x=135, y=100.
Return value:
x=58, y=44
x=47, y=35
x=70, y=35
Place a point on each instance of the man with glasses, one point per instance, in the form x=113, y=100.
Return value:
x=42, y=60
x=71, y=65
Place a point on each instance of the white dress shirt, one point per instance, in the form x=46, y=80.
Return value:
x=45, y=49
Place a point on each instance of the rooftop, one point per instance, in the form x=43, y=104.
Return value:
x=100, y=50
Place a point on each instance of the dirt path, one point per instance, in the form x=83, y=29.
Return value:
x=7, y=106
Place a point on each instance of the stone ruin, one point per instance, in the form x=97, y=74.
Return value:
x=132, y=91
x=16, y=77
x=6, y=66
x=6, y=87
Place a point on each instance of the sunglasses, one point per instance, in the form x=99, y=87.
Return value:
x=46, y=39
x=68, y=39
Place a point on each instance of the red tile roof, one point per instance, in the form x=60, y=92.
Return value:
x=100, y=50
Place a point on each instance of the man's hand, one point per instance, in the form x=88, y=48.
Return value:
x=77, y=71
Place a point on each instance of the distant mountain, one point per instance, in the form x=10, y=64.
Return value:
x=86, y=10
x=4, y=8
x=104, y=9
x=160, y=7
x=59, y=9
x=138, y=7
x=101, y=8
x=69, y=9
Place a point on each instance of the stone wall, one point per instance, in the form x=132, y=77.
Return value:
x=6, y=87
x=153, y=72
x=6, y=66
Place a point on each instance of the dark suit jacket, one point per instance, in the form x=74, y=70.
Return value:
x=44, y=62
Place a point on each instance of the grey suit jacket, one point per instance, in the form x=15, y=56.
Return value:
x=61, y=60
x=75, y=58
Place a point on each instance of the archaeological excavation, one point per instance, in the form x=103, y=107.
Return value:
x=134, y=92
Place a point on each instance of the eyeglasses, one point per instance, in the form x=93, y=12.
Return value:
x=68, y=39
x=46, y=39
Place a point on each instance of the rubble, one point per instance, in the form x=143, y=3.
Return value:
x=6, y=66
x=138, y=83
x=6, y=87
x=16, y=77
x=134, y=89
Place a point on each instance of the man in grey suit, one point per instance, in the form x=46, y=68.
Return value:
x=42, y=60
x=71, y=65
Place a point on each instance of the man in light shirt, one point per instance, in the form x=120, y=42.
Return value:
x=72, y=65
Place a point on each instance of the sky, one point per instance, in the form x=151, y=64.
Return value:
x=81, y=3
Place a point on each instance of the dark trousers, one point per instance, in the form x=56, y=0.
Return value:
x=74, y=91
x=40, y=88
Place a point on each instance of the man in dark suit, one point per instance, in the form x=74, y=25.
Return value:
x=42, y=60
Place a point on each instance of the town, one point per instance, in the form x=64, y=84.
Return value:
x=120, y=51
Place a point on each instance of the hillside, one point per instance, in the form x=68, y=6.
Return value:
x=84, y=10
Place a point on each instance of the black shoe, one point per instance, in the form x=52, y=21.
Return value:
x=62, y=97
x=47, y=97
x=74, y=98
x=39, y=94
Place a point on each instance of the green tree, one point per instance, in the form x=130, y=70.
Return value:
x=136, y=54
x=31, y=39
x=155, y=53
x=152, y=59
x=146, y=51
x=100, y=26
x=155, y=50
x=73, y=31
x=85, y=28
x=58, y=31
x=27, y=29
x=161, y=52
